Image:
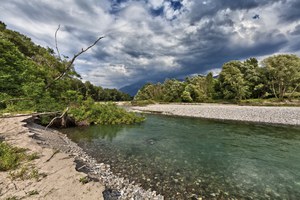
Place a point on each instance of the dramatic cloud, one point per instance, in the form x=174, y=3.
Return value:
x=149, y=40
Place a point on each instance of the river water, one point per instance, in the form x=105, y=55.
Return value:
x=186, y=158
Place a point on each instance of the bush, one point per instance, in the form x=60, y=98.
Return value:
x=103, y=113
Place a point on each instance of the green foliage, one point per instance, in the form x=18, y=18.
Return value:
x=150, y=91
x=186, y=96
x=10, y=157
x=279, y=77
x=232, y=82
x=210, y=85
x=28, y=83
x=26, y=172
x=283, y=73
x=84, y=180
x=102, y=113
x=173, y=90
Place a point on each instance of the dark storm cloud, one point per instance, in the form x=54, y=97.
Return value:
x=290, y=11
x=149, y=40
x=296, y=31
x=40, y=11
x=211, y=7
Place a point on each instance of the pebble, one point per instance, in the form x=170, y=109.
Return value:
x=260, y=114
x=118, y=187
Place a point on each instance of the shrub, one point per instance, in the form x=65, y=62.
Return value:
x=103, y=113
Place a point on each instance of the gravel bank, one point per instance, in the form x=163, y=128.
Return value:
x=272, y=115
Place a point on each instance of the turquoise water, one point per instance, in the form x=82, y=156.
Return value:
x=185, y=157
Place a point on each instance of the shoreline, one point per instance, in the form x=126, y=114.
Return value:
x=220, y=112
x=70, y=159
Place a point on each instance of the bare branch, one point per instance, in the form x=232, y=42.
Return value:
x=56, y=41
x=70, y=63
x=60, y=117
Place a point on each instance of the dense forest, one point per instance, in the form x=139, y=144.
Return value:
x=277, y=77
x=28, y=82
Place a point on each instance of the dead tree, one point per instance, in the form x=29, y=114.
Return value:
x=64, y=117
x=71, y=62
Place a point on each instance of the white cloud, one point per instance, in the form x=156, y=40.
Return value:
x=156, y=4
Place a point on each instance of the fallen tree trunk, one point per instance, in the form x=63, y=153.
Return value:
x=9, y=115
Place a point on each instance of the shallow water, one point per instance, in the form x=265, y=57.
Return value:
x=186, y=157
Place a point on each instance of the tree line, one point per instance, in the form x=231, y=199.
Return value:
x=277, y=77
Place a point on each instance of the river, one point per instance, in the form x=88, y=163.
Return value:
x=184, y=158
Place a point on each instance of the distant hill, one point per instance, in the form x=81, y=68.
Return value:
x=134, y=88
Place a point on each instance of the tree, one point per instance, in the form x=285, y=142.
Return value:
x=186, y=96
x=283, y=73
x=254, y=77
x=210, y=85
x=232, y=83
x=173, y=90
x=150, y=92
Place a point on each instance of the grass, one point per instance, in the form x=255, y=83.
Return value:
x=10, y=157
x=12, y=198
x=84, y=180
x=26, y=172
x=33, y=192
x=270, y=102
x=142, y=102
x=16, y=161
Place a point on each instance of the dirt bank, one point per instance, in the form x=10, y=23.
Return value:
x=60, y=180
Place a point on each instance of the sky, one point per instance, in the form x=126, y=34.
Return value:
x=150, y=40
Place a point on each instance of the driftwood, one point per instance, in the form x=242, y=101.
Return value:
x=62, y=117
x=30, y=114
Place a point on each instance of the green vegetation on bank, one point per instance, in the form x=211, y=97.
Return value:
x=90, y=112
x=277, y=78
x=11, y=157
x=29, y=83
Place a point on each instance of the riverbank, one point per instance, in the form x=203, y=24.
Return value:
x=67, y=172
x=260, y=114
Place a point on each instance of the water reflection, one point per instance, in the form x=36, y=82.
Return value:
x=105, y=132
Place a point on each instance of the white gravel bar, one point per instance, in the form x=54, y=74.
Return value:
x=272, y=115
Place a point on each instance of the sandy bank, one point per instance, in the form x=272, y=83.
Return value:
x=61, y=180
x=272, y=115
x=60, y=160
